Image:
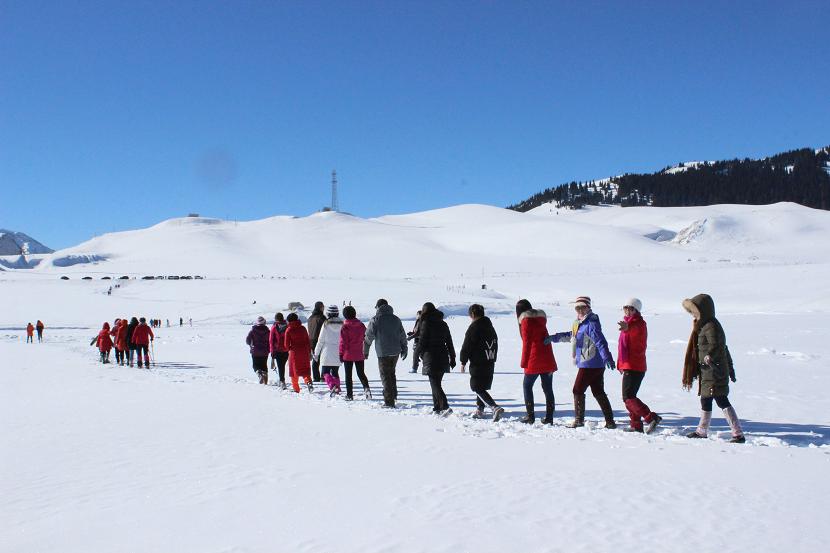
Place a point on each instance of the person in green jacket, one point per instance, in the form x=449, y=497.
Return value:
x=708, y=361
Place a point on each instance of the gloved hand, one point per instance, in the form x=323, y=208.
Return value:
x=452, y=362
x=610, y=364
x=403, y=354
x=732, y=378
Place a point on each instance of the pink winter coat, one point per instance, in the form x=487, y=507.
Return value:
x=631, y=355
x=299, y=349
x=351, y=340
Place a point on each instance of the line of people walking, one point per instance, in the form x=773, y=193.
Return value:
x=30, y=332
x=316, y=353
x=132, y=341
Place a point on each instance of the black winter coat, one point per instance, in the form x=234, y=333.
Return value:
x=315, y=325
x=435, y=346
x=481, y=345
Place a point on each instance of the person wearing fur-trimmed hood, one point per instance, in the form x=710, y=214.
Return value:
x=592, y=356
x=537, y=360
x=327, y=350
x=708, y=360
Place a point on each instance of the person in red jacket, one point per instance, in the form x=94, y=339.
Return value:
x=142, y=336
x=30, y=332
x=298, y=345
x=631, y=362
x=537, y=359
x=276, y=342
x=104, y=343
x=121, y=346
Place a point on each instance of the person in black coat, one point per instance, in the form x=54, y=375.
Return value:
x=437, y=354
x=131, y=347
x=480, y=348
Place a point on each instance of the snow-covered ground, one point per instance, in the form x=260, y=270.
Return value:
x=193, y=455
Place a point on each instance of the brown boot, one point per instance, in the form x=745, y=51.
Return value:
x=579, y=411
x=607, y=412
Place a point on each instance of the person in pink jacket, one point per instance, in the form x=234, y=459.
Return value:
x=631, y=362
x=351, y=351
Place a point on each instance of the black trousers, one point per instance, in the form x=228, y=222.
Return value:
x=281, y=357
x=706, y=402
x=631, y=382
x=361, y=375
x=439, y=398
x=386, y=367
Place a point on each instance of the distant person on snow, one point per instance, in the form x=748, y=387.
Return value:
x=181, y=320
x=480, y=348
x=299, y=353
x=105, y=343
x=258, y=339
x=386, y=331
x=133, y=324
x=537, y=360
x=315, y=324
x=327, y=350
x=592, y=356
x=352, y=335
x=435, y=348
x=276, y=343
x=30, y=333
x=631, y=362
x=39, y=327
x=142, y=336
x=708, y=360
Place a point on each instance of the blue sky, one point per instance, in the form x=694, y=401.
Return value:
x=117, y=115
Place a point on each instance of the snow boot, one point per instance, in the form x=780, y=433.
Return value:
x=530, y=418
x=734, y=425
x=263, y=377
x=549, y=407
x=367, y=394
x=498, y=413
x=283, y=385
x=478, y=413
x=652, y=424
x=579, y=411
x=445, y=413
x=702, y=429
x=607, y=412
x=633, y=429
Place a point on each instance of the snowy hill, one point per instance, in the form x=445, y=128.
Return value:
x=16, y=243
x=472, y=239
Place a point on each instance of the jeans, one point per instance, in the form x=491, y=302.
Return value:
x=547, y=387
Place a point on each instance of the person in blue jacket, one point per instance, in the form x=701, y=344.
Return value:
x=592, y=356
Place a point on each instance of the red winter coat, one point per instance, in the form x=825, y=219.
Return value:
x=142, y=335
x=104, y=340
x=30, y=330
x=298, y=346
x=631, y=355
x=276, y=341
x=537, y=358
x=121, y=336
x=351, y=340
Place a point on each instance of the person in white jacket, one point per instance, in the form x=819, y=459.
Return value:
x=327, y=350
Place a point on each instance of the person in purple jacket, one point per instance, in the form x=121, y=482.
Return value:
x=258, y=341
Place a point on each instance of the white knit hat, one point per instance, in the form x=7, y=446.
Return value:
x=635, y=303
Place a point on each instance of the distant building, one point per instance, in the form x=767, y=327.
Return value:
x=193, y=215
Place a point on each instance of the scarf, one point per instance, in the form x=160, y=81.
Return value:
x=691, y=367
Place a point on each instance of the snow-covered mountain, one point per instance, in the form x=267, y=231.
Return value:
x=463, y=239
x=17, y=243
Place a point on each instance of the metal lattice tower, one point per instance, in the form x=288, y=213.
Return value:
x=334, y=205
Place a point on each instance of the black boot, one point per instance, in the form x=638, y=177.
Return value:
x=579, y=411
x=607, y=412
x=530, y=418
x=549, y=407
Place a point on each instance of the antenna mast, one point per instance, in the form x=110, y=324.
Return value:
x=334, y=206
